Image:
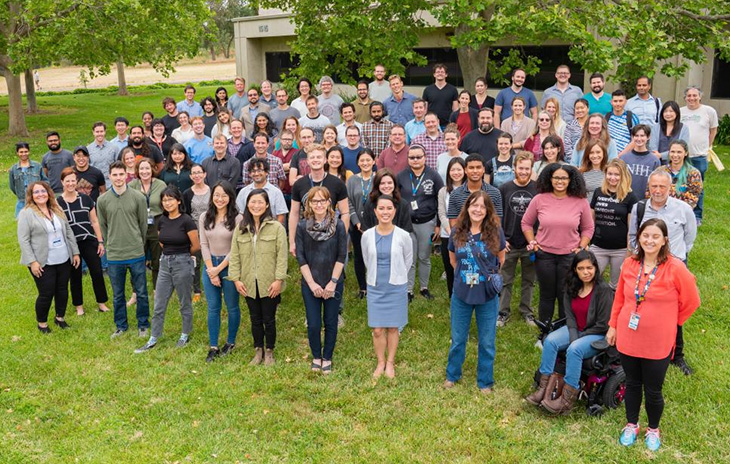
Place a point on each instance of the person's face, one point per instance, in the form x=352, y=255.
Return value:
x=312, y=106
x=266, y=89
x=486, y=121
x=260, y=145
x=365, y=163
x=669, y=115
x=596, y=155
x=208, y=107
x=353, y=138
x=177, y=156
x=319, y=204
x=147, y=119
x=281, y=97
x=385, y=211
x=129, y=159
x=118, y=177
x=397, y=136
x=240, y=86
x=585, y=270
x=69, y=183
x=518, y=78
x=326, y=87
x=518, y=107
x=40, y=195
x=257, y=205
x=237, y=129
x=286, y=142
x=613, y=177
x=652, y=239
x=24, y=154
x=560, y=180
x=53, y=142
x=316, y=160
x=253, y=97
x=431, y=123
x=396, y=85
x=224, y=117
x=80, y=160
x=693, y=98
x=640, y=139
x=597, y=85
x=475, y=171
x=416, y=159
x=329, y=136
x=595, y=126
x=523, y=171
x=379, y=73
x=171, y=204
x=480, y=87
x=258, y=175
x=291, y=125
x=677, y=154
x=220, y=198
x=439, y=74
x=145, y=171
x=618, y=102
x=464, y=100
x=551, y=109
x=551, y=152
x=99, y=133
x=304, y=88
x=387, y=185
x=348, y=114
x=121, y=128
x=198, y=127
x=183, y=119
x=504, y=146
x=334, y=159
x=306, y=137
x=580, y=110
x=197, y=175
x=362, y=91
x=189, y=94
x=219, y=146
x=222, y=95
x=477, y=210
x=543, y=120
x=643, y=87
x=419, y=110
x=451, y=141
x=158, y=130
x=261, y=122
x=170, y=107
x=456, y=173
x=562, y=75
x=376, y=112
x=137, y=135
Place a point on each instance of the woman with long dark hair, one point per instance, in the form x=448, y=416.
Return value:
x=456, y=175
x=593, y=166
x=335, y=165
x=476, y=251
x=263, y=123
x=385, y=183
x=687, y=182
x=177, y=168
x=545, y=127
x=668, y=130
x=221, y=98
x=359, y=187
x=553, y=151
x=574, y=128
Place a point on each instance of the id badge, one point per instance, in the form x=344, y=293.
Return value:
x=472, y=278
x=634, y=321
x=414, y=205
x=57, y=242
x=150, y=218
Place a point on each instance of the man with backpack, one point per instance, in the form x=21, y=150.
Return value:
x=620, y=122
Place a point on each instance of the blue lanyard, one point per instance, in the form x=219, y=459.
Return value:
x=420, y=179
x=365, y=191
x=640, y=297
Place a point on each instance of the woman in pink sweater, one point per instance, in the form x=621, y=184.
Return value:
x=565, y=227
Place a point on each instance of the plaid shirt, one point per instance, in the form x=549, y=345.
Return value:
x=434, y=147
x=375, y=135
x=276, y=170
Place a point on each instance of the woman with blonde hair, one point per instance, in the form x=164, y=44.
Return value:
x=545, y=128
x=552, y=106
x=593, y=166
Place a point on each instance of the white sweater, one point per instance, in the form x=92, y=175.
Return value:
x=401, y=256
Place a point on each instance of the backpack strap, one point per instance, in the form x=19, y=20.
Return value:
x=629, y=120
x=640, y=210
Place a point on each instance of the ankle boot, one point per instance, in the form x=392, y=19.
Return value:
x=564, y=404
x=554, y=388
x=537, y=396
x=258, y=357
x=269, y=357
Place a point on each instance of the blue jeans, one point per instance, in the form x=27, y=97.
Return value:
x=117, y=276
x=576, y=352
x=700, y=162
x=486, y=316
x=313, y=306
x=18, y=206
x=215, y=302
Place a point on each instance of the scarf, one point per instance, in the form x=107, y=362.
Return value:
x=321, y=231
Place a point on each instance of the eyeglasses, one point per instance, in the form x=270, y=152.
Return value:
x=561, y=179
x=254, y=171
x=415, y=157
x=544, y=119
x=38, y=192
x=168, y=199
x=319, y=202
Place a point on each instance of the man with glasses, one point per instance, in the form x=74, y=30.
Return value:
x=276, y=172
x=259, y=171
x=362, y=103
x=329, y=103
x=347, y=111
x=221, y=166
x=419, y=185
x=564, y=92
x=189, y=105
x=395, y=155
x=351, y=148
x=250, y=111
x=286, y=153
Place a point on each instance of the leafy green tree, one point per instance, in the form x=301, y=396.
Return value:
x=224, y=11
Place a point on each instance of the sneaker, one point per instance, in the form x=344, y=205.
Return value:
x=628, y=434
x=652, y=440
x=143, y=332
x=340, y=321
x=147, y=346
x=530, y=320
x=182, y=341
x=682, y=365
x=426, y=294
x=212, y=354
x=502, y=320
x=443, y=275
x=196, y=297
x=117, y=333
x=538, y=344
x=410, y=297
x=227, y=348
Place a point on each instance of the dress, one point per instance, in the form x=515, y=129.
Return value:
x=387, y=303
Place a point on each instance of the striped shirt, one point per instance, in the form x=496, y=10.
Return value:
x=618, y=129
x=459, y=196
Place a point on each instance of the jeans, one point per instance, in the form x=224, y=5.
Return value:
x=176, y=274
x=486, y=317
x=649, y=374
x=88, y=249
x=117, y=276
x=262, y=311
x=18, y=206
x=700, y=162
x=421, y=239
x=52, y=286
x=509, y=269
x=213, y=296
x=613, y=257
x=314, y=306
x=551, y=270
x=359, y=264
x=448, y=269
x=575, y=353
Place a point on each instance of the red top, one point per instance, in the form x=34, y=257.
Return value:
x=671, y=299
x=463, y=123
x=285, y=159
x=563, y=221
x=579, y=305
x=396, y=161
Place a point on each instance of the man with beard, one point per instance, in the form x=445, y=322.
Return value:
x=347, y=111
x=200, y=146
x=644, y=105
x=285, y=153
x=101, y=153
x=276, y=170
x=282, y=109
x=55, y=160
x=91, y=180
x=250, y=111
x=503, y=102
x=516, y=195
x=362, y=103
x=258, y=171
x=376, y=132
x=441, y=97
x=379, y=88
x=598, y=100
x=142, y=149
x=483, y=140
x=564, y=92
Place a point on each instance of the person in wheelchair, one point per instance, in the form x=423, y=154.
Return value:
x=588, y=301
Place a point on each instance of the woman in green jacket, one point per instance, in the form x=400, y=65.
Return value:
x=258, y=268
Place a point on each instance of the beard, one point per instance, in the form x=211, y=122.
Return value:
x=377, y=118
x=54, y=147
x=486, y=128
x=137, y=140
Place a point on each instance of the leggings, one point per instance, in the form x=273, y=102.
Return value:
x=551, y=272
x=262, y=311
x=52, y=286
x=649, y=374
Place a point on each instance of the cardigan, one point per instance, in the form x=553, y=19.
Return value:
x=521, y=134
x=33, y=237
x=401, y=256
x=599, y=311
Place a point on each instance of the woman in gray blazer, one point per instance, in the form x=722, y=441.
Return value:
x=48, y=247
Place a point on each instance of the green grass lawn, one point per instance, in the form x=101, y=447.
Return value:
x=76, y=396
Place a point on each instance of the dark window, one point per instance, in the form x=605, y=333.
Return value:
x=720, y=77
x=278, y=63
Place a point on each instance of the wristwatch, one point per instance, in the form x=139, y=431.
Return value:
x=334, y=281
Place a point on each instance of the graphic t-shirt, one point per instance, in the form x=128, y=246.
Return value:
x=474, y=262
x=515, y=199
x=611, y=221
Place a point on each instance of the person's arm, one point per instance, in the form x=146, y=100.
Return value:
x=11, y=184
x=687, y=291
x=533, y=112
x=71, y=238
x=407, y=245
x=631, y=244
x=618, y=303
x=570, y=322
x=455, y=105
x=443, y=219
x=690, y=229
x=344, y=208
x=527, y=224
x=628, y=149
x=97, y=231
x=452, y=259
x=293, y=221
x=497, y=114
x=194, y=241
x=586, y=226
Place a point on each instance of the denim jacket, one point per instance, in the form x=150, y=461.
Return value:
x=20, y=179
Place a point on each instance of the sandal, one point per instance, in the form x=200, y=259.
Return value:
x=316, y=366
x=327, y=368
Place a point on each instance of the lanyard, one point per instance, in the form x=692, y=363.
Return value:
x=365, y=191
x=51, y=220
x=640, y=297
x=420, y=179
x=147, y=193
x=321, y=182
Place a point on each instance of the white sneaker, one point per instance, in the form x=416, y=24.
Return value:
x=538, y=344
x=340, y=321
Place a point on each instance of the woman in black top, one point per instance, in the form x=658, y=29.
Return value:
x=81, y=214
x=179, y=241
x=177, y=168
x=385, y=183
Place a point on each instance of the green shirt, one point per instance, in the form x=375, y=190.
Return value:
x=123, y=221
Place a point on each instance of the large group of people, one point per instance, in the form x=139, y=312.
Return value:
x=563, y=189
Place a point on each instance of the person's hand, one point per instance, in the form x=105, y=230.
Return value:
x=657, y=154
x=36, y=269
x=275, y=289
x=100, y=249
x=576, y=250
x=436, y=233
x=216, y=281
x=76, y=261
x=611, y=336
x=507, y=247
x=240, y=288
x=316, y=289
x=293, y=250
x=212, y=272
x=329, y=290
x=359, y=226
x=533, y=246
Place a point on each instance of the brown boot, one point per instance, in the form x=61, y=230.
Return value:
x=269, y=357
x=258, y=357
x=537, y=396
x=554, y=387
x=564, y=404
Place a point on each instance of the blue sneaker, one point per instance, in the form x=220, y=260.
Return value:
x=628, y=434
x=652, y=440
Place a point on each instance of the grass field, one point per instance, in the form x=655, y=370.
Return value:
x=76, y=396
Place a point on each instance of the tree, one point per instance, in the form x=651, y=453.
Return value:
x=223, y=12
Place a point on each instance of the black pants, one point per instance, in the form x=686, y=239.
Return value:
x=649, y=374
x=551, y=270
x=447, y=264
x=88, y=249
x=52, y=285
x=679, y=345
x=359, y=264
x=263, y=319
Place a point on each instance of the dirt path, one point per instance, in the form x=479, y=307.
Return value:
x=67, y=78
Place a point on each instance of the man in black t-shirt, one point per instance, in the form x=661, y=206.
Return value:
x=441, y=96
x=90, y=180
x=170, y=119
x=516, y=195
x=483, y=140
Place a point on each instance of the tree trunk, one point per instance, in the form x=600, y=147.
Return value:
x=16, y=115
x=212, y=51
x=30, y=92
x=473, y=62
x=227, y=49
x=122, y=80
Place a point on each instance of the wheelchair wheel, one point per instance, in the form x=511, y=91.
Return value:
x=614, y=389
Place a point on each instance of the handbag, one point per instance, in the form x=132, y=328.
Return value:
x=493, y=281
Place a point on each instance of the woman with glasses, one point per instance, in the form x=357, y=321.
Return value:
x=545, y=128
x=196, y=200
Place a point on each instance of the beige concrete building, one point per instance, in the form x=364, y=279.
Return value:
x=262, y=52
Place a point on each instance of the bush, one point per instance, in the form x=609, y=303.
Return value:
x=723, y=131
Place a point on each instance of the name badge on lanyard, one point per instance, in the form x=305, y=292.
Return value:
x=634, y=321
x=641, y=296
x=150, y=218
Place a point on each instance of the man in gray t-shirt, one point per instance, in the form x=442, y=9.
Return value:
x=55, y=159
x=329, y=103
x=282, y=110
